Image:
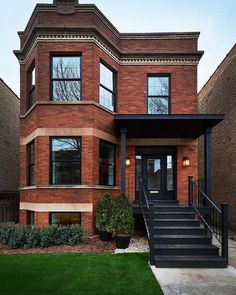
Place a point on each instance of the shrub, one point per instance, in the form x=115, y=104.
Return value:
x=18, y=238
x=33, y=237
x=104, y=213
x=48, y=236
x=5, y=232
x=26, y=236
x=122, y=220
x=75, y=234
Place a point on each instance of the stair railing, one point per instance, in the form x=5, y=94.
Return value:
x=147, y=209
x=214, y=219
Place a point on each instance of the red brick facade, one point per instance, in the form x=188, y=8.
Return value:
x=132, y=57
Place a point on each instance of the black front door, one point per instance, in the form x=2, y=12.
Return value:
x=157, y=171
x=153, y=177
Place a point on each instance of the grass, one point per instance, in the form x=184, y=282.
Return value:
x=91, y=274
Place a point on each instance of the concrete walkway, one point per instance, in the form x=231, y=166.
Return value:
x=199, y=281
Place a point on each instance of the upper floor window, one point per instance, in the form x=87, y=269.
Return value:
x=107, y=87
x=30, y=156
x=31, y=87
x=66, y=78
x=158, y=94
x=66, y=160
x=107, y=160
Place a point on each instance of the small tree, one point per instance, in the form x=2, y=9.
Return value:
x=104, y=213
x=122, y=220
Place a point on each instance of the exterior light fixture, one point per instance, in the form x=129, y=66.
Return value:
x=127, y=162
x=186, y=161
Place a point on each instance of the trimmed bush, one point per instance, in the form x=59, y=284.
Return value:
x=5, y=232
x=19, y=235
x=26, y=236
x=33, y=237
x=104, y=213
x=75, y=234
x=122, y=220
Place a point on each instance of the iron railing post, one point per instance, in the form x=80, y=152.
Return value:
x=151, y=233
x=190, y=190
x=224, y=230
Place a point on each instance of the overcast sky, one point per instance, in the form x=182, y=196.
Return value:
x=215, y=19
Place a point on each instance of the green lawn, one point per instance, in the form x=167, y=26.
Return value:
x=91, y=274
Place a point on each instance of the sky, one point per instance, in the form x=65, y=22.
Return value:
x=215, y=19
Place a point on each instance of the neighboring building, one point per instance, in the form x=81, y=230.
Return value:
x=9, y=139
x=92, y=98
x=218, y=96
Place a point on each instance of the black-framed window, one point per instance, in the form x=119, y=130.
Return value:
x=66, y=78
x=31, y=87
x=31, y=158
x=159, y=94
x=107, y=163
x=107, y=87
x=65, y=218
x=66, y=160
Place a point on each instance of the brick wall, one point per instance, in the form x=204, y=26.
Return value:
x=9, y=138
x=218, y=97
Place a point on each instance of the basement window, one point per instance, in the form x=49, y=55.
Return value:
x=66, y=78
x=65, y=218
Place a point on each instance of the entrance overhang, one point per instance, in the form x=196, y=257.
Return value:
x=166, y=126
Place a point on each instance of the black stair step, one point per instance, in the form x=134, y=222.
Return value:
x=182, y=261
x=165, y=202
x=172, y=209
x=176, y=222
x=183, y=239
x=187, y=249
x=174, y=215
x=175, y=230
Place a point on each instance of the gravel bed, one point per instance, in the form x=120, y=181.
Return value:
x=137, y=244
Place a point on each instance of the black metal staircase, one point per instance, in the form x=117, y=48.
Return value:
x=178, y=235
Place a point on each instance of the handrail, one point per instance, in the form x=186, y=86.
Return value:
x=149, y=222
x=213, y=218
x=142, y=192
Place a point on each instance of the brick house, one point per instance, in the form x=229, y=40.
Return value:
x=9, y=139
x=101, y=110
x=218, y=96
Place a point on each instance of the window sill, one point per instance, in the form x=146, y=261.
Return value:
x=82, y=186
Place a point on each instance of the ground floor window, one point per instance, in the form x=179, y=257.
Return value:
x=30, y=217
x=106, y=163
x=66, y=160
x=65, y=218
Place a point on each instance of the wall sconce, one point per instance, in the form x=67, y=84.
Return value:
x=186, y=161
x=127, y=162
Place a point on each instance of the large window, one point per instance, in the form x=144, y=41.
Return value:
x=65, y=218
x=106, y=163
x=158, y=95
x=31, y=87
x=30, y=152
x=107, y=87
x=66, y=160
x=66, y=78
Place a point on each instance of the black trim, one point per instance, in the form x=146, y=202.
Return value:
x=166, y=126
x=30, y=163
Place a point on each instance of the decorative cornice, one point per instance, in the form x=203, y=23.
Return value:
x=171, y=58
